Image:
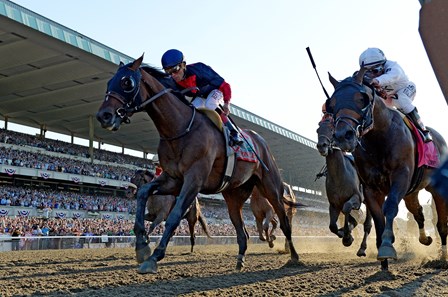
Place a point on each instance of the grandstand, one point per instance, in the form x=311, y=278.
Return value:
x=59, y=76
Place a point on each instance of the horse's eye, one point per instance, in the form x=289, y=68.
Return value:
x=127, y=84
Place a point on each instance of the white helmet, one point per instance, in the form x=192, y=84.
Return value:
x=155, y=159
x=372, y=57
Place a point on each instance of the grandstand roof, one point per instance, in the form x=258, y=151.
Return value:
x=54, y=78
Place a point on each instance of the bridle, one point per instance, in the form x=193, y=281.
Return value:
x=365, y=123
x=136, y=105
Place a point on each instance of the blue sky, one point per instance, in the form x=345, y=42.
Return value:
x=259, y=46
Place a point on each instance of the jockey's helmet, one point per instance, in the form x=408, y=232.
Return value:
x=171, y=58
x=372, y=57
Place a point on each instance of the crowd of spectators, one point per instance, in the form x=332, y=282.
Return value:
x=20, y=158
x=48, y=199
x=58, y=199
x=51, y=145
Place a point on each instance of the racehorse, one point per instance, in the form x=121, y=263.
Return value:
x=193, y=155
x=343, y=187
x=386, y=158
x=159, y=207
x=265, y=215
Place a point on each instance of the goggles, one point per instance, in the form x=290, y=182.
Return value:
x=377, y=69
x=173, y=70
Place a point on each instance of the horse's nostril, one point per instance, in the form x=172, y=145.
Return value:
x=103, y=116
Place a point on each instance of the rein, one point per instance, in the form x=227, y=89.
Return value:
x=158, y=95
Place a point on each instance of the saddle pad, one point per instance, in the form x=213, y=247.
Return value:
x=427, y=151
x=244, y=152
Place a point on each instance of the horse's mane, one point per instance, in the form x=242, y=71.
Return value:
x=155, y=71
x=166, y=80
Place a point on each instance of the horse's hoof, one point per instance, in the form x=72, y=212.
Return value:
x=361, y=253
x=386, y=252
x=347, y=241
x=426, y=241
x=340, y=233
x=240, y=262
x=292, y=261
x=143, y=254
x=148, y=266
x=271, y=244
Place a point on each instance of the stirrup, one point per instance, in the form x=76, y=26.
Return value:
x=426, y=136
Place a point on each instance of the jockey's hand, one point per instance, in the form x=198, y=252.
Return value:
x=226, y=108
x=375, y=83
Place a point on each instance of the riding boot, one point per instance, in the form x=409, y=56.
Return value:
x=235, y=138
x=415, y=118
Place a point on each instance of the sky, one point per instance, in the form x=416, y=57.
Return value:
x=259, y=46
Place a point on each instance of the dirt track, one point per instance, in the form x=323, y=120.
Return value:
x=324, y=270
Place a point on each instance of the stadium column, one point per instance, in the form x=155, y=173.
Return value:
x=91, y=133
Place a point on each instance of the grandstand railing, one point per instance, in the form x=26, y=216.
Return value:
x=23, y=243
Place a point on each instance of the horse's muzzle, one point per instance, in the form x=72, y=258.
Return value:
x=107, y=120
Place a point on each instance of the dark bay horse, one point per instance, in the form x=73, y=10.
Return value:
x=265, y=215
x=159, y=207
x=343, y=187
x=386, y=158
x=192, y=153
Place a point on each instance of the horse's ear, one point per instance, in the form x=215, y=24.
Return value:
x=333, y=80
x=121, y=64
x=137, y=63
x=360, y=75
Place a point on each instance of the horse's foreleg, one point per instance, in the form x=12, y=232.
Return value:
x=367, y=228
x=390, y=210
x=172, y=222
x=334, y=215
x=373, y=201
x=142, y=249
x=347, y=240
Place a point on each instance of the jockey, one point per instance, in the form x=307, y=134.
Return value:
x=393, y=83
x=213, y=89
x=155, y=161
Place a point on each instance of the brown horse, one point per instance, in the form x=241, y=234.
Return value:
x=344, y=189
x=192, y=152
x=265, y=215
x=386, y=158
x=159, y=207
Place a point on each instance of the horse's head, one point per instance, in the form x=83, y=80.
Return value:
x=325, y=135
x=140, y=178
x=352, y=105
x=122, y=95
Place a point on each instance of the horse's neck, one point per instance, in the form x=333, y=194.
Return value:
x=170, y=115
x=336, y=163
x=382, y=121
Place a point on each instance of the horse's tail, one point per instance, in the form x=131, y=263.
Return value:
x=293, y=204
x=204, y=225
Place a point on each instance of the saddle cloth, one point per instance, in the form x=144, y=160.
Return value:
x=243, y=152
x=427, y=151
